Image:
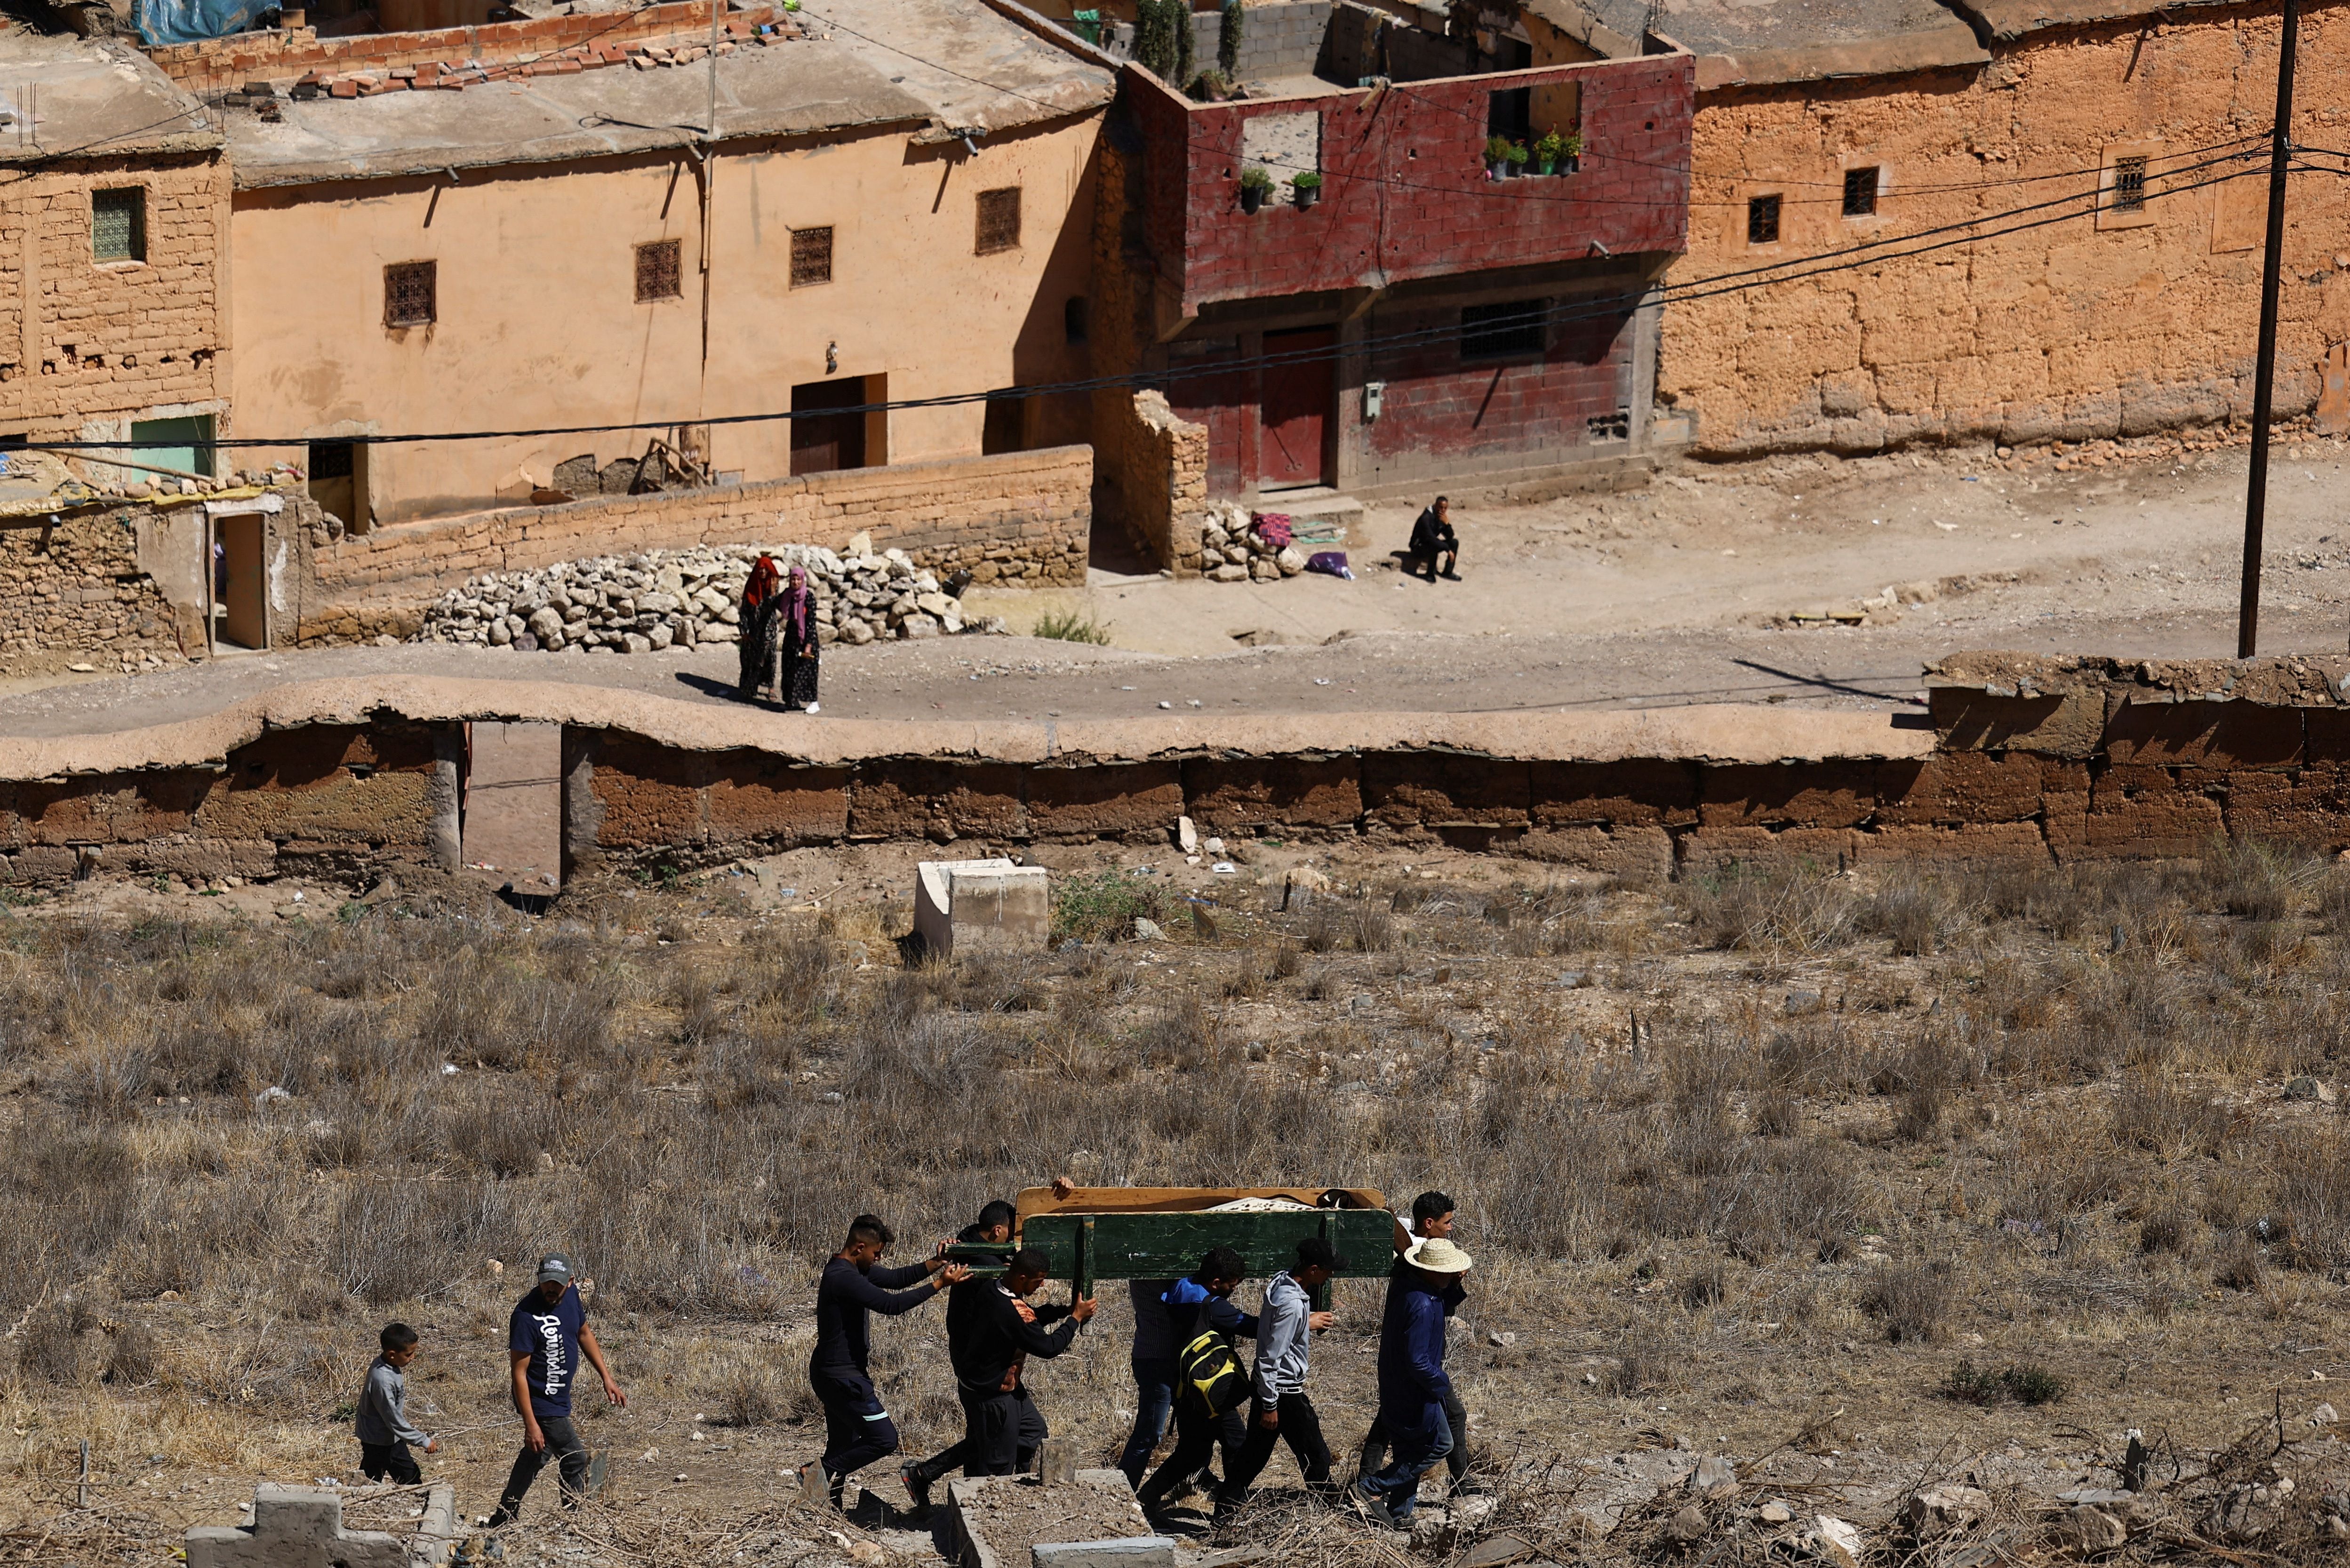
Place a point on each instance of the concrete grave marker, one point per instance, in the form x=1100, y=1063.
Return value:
x=984, y=903
x=294, y=1527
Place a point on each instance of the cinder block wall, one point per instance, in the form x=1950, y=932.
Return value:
x=1023, y=517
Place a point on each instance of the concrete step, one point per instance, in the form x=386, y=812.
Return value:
x=1318, y=501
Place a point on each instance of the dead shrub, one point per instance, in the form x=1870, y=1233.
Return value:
x=1913, y=1301
x=1742, y=909
x=1705, y=1287
x=751, y=1398
x=2251, y=881
x=2312, y=1196
x=1917, y=1113
x=2240, y=1265
x=1643, y=1364
x=2165, y=1231
x=1776, y=1115
x=131, y=1355
x=2148, y=1113
x=50, y=1348
x=1910, y=911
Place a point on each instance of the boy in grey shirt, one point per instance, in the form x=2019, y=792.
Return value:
x=383, y=1427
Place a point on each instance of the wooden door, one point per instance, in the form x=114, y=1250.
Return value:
x=1299, y=397
x=821, y=440
x=244, y=595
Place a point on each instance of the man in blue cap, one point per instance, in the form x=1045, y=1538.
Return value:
x=545, y=1339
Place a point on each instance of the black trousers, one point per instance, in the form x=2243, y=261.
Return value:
x=390, y=1461
x=1001, y=1433
x=857, y=1429
x=567, y=1447
x=1301, y=1429
x=1456, y=1463
x=1198, y=1432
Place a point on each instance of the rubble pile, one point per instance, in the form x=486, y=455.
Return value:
x=1235, y=549
x=667, y=598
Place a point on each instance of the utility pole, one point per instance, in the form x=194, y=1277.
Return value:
x=2256, y=488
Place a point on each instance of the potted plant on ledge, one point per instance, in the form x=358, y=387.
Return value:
x=1309, y=188
x=1497, y=156
x=1255, y=182
x=1571, y=156
x=1548, y=152
x=1517, y=161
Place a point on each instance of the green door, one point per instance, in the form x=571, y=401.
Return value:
x=188, y=458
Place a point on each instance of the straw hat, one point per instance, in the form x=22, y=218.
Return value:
x=1438, y=1256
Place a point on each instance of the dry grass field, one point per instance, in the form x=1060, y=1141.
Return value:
x=1868, y=1181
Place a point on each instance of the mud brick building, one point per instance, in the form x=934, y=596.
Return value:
x=1419, y=323
x=113, y=251
x=2140, y=128
x=567, y=239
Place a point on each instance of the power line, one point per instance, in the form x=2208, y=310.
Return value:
x=1597, y=308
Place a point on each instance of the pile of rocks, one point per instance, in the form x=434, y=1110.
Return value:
x=1233, y=550
x=684, y=599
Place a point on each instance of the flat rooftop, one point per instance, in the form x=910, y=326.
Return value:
x=1765, y=41
x=871, y=70
x=67, y=95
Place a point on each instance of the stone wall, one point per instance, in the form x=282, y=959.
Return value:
x=1153, y=469
x=1022, y=517
x=2100, y=325
x=87, y=346
x=2021, y=759
x=78, y=587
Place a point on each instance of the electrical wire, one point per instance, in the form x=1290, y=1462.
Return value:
x=1597, y=308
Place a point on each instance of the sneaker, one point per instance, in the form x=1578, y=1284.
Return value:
x=815, y=706
x=918, y=1485
x=1373, y=1507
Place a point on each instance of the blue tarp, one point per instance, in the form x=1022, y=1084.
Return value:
x=193, y=21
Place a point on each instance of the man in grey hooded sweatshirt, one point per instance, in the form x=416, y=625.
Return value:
x=1278, y=1408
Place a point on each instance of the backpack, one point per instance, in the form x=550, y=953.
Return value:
x=1211, y=1370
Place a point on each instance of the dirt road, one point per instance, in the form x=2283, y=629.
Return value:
x=1674, y=593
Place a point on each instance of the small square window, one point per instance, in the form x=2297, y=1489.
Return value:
x=811, y=257
x=1762, y=220
x=330, y=460
x=412, y=293
x=999, y=222
x=1073, y=319
x=118, y=224
x=2129, y=185
x=1502, y=331
x=657, y=271
x=1860, y=191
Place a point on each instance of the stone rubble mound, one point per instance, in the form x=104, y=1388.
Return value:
x=672, y=598
x=1233, y=551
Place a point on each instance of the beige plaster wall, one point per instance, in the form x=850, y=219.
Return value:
x=86, y=346
x=538, y=323
x=2081, y=330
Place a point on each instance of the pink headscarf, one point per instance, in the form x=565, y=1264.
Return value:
x=799, y=605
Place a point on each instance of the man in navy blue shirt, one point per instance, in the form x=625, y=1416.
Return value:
x=1413, y=1387
x=545, y=1341
x=857, y=1429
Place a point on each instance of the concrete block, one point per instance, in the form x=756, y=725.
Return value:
x=990, y=903
x=1129, y=1552
x=293, y=1527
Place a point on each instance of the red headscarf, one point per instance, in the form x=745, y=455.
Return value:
x=764, y=581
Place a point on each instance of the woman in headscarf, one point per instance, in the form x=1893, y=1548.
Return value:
x=796, y=684
x=756, y=617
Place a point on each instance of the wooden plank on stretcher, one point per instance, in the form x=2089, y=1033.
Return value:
x=1165, y=1246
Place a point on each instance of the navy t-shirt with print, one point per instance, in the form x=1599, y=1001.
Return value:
x=550, y=1336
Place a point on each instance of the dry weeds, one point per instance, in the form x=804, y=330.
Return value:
x=1731, y=1155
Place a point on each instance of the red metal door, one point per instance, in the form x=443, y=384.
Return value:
x=1298, y=397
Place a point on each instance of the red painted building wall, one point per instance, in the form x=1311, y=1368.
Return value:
x=1441, y=406
x=1405, y=193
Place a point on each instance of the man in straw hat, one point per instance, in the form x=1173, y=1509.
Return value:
x=1413, y=1387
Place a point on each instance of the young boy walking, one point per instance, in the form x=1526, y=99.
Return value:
x=384, y=1430
x=853, y=1285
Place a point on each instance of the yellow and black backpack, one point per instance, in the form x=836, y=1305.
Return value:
x=1213, y=1371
